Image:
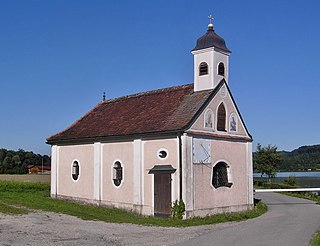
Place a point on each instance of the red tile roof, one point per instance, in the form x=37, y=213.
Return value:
x=164, y=110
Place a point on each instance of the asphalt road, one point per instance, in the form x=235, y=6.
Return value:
x=289, y=222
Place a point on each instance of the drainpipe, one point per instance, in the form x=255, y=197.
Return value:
x=180, y=166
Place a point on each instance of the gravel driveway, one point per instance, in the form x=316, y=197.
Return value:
x=289, y=221
x=44, y=228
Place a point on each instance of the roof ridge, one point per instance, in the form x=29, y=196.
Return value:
x=147, y=93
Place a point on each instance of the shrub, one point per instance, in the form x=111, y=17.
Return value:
x=267, y=185
x=178, y=209
x=290, y=181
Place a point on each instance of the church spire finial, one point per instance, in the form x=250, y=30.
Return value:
x=210, y=26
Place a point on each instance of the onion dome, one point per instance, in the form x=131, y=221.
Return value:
x=211, y=39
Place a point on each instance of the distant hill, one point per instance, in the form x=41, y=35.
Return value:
x=302, y=159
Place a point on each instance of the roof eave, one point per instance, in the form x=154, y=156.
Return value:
x=129, y=137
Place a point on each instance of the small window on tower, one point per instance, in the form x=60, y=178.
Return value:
x=203, y=69
x=221, y=69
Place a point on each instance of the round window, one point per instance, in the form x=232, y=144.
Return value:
x=162, y=154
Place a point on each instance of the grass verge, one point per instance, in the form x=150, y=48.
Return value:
x=16, y=195
x=9, y=209
x=315, y=241
x=304, y=195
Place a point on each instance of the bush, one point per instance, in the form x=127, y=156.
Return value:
x=291, y=181
x=267, y=185
x=178, y=209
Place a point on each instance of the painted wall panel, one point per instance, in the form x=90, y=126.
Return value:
x=151, y=159
x=83, y=187
x=222, y=96
x=206, y=196
x=112, y=152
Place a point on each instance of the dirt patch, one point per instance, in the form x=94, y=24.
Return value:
x=44, y=228
x=42, y=178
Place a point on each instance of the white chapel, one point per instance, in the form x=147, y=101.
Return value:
x=142, y=152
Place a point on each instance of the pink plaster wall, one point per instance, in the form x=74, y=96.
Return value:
x=206, y=196
x=112, y=152
x=150, y=151
x=213, y=105
x=66, y=186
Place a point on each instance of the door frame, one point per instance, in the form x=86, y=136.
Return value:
x=161, y=169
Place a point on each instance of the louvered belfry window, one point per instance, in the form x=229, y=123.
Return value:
x=220, y=175
x=221, y=69
x=203, y=68
x=221, y=123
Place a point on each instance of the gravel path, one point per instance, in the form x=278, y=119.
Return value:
x=289, y=221
x=44, y=228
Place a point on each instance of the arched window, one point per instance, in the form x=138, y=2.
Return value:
x=221, y=69
x=117, y=173
x=208, y=119
x=220, y=175
x=233, y=122
x=221, y=122
x=75, y=170
x=203, y=68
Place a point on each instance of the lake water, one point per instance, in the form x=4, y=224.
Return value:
x=304, y=179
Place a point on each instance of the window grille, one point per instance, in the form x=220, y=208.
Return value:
x=75, y=170
x=220, y=175
x=117, y=173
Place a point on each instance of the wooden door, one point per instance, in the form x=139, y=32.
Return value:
x=162, y=194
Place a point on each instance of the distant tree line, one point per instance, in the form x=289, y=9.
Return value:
x=16, y=162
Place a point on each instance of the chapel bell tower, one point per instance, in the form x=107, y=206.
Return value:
x=211, y=60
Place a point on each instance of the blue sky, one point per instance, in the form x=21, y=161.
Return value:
x=58, y=57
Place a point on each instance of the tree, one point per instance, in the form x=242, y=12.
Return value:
x=7, y=164
x=267, y=160
x=3, y=153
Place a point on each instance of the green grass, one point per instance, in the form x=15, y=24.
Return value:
x=24, y=196
x=9, y=209
x=315, y=241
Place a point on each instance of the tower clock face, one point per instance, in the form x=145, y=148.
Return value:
x=201, y=150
